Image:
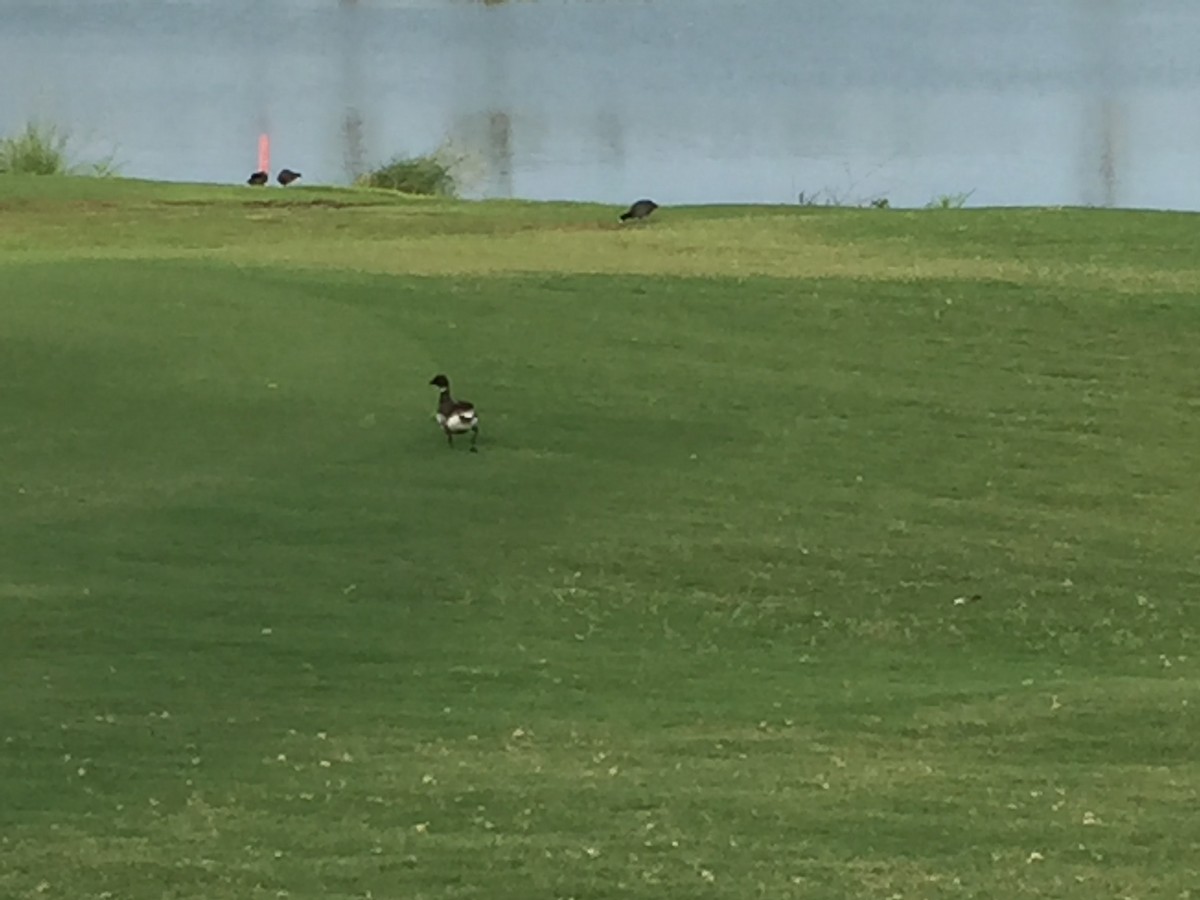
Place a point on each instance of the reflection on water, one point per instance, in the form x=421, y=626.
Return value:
x=1102, y=134
x=1078, y=101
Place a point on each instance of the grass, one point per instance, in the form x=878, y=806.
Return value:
x=950, y=201
x=42, y=149
x=431, y=174
x=685, y=628
x=38, y=150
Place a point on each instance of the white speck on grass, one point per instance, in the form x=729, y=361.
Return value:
x=81, y=771
x=1089, y=818
x=592, y=852
x=707, y=875
x=1035, y=856
x=325, y=764
x=421, y=827
x=266, y=631
x=321, y=735
x=428, y=779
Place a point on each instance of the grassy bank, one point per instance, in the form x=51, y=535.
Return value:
x=810, y=553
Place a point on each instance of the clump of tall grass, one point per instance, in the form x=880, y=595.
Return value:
x=436, y=174
x=412, y=175
x=832, y=198
x=41, y=149
x=950, y=201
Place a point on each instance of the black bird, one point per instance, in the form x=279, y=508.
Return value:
x=286, y=176
x=258, y=179
x=454, y=416
x=639, y=210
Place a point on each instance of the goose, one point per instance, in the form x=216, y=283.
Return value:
x=258, y=178
x=454, y=416
x=286, y=176
x=639, y=210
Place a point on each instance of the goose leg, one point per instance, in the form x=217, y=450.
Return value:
x=474, y=439
x=450, y=439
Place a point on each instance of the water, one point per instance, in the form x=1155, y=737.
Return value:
x=687, y=101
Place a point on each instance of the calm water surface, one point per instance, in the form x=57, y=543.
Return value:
x=687, y=101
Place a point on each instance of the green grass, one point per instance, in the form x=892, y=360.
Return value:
x=42, y=149
x=684, y=628
x=37, y=150
x=429, y=175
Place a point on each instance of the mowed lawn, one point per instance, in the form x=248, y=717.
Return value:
x=807, y=554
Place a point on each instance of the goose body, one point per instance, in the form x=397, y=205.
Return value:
x=258, y=178
x=287, y=176
x=639, y=210
x=454, y=416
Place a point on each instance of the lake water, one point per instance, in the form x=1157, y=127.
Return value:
x=1023, y=102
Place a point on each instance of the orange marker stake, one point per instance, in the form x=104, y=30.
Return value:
x=264, y=153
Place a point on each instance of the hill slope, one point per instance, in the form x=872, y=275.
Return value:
x=810, y=553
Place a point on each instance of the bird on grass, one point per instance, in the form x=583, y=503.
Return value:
x=639, y=210
x=454, y=416
x=258, y=179
x=287, y=176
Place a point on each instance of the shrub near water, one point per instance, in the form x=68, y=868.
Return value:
x=38, y=150
x=431, y=175
x=41, y=149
